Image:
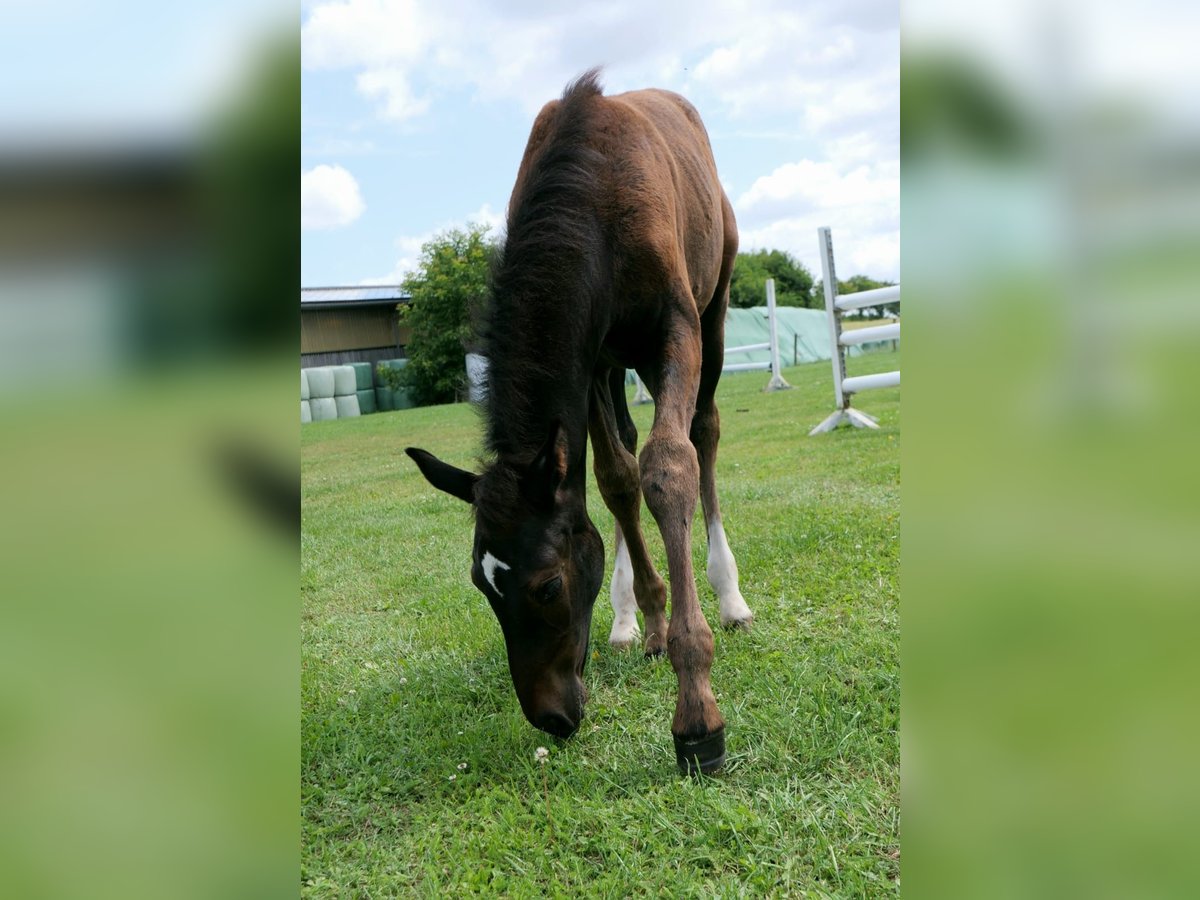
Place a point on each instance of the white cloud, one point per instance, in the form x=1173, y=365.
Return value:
x=392, y=86
x=820, y=80
x=748, y=55
x=409, y=246
x=818, y=186
x=785, y=208
x=329, y=198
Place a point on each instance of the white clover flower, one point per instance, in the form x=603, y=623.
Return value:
x=403, y=680
x=462, y=767
x=452, y=777
x=540, y=754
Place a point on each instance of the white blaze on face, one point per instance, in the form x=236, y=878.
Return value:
x=490, y=564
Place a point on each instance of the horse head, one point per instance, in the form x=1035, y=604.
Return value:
x=539, y=561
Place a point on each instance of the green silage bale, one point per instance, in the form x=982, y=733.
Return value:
x=383, y=399
x=366, y=401
x=401, y=399
x=362, y=375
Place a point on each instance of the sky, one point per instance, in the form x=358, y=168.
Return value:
x=415, y=115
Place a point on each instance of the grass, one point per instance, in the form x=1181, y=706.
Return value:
x=418, y=769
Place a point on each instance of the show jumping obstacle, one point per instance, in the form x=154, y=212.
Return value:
x=843, y=387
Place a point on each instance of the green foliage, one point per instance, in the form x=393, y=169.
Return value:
x=390, y=378
x=793, y=281
x=858, y=283
x=410, y=727
x=950, y=104
x=449, y=285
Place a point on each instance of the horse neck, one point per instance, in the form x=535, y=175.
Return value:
x=531, y=387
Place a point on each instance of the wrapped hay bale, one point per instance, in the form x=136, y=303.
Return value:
x=323, y=408
x=366, y=401
x=305, y=412
x=320, y=383
x=345, y=381
x=303, y=384
x=363, y=378
x=401, y=400
x=347, y=406
x=383, y=399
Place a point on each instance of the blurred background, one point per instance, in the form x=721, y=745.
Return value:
x=1051, y=202
x=149, y=260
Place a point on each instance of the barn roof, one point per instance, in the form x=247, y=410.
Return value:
x=331, y=297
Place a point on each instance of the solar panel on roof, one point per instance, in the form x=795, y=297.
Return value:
x=352, y=294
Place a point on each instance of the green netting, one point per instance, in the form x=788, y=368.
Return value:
x=362, y=375
x=305, y=411
x=347, y=406
x=323, y=408
x=366, y=401
x=803, y=335
x=303, y=384
x=345, y=381
x=320, y=383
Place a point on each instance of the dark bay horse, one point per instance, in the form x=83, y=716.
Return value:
x=620, y=244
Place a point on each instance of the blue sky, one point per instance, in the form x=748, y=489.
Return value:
x=415, y=115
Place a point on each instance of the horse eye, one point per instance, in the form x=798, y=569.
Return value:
x=549, y=591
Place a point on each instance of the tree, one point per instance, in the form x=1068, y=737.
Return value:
x=449, y=285
x=858, y=283
x=793, y=282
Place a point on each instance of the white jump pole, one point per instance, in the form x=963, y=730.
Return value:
x=844, y=387
x=776, y=382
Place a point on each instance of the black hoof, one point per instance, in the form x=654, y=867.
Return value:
x=702, y=755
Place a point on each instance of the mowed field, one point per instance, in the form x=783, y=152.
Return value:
x=418, y=769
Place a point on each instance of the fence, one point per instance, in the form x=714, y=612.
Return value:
x=776, y=381
x=844, y=387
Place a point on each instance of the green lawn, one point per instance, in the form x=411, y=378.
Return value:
x=418, y=770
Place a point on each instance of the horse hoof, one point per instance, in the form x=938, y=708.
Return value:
x=738, y=624
x=702, y=755
x=622, y=645
x=655, y=646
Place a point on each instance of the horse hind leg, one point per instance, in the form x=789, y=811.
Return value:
x=722, y=570
x=624, y=633
x=635, y=583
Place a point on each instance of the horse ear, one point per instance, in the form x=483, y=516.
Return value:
x=549, y=468
x=454, y=481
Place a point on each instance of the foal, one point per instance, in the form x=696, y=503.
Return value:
x=620, y=244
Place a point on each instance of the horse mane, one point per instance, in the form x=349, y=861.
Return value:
x=544, y=281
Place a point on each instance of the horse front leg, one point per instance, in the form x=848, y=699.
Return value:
x=670, y=476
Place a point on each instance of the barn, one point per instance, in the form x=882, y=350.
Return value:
x=340, y=325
